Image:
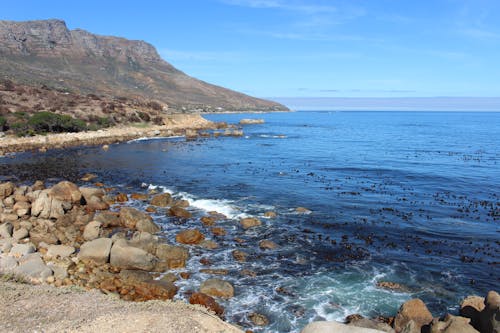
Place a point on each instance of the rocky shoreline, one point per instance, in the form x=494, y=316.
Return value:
x=189, y=125
x=87, y=236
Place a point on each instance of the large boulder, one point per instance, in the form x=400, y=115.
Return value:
x=144, y=240
x=217, y=288
x=490, y=316
x=171, y=257
x=162, y=200
x=207, y=301
x=190, y=236
x=153, y=290
x=471, y=307
x=97, y=250
x=109, y=219
x=335, y=327
x=177, y=211
x=412, y=310
x=22, y=208
x=42, y=232
x=124, y=256
x=92, y=230
x=134, y=219
x=6, y=189
x=250, y=222
x=66, y=191
x=7, y=264
x=6, y=230
x=452, y=324
x=33, y=267
x=21, y=250
x=60, y=251
x=45, y=206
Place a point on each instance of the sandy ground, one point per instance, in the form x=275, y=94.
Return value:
x=27, y=308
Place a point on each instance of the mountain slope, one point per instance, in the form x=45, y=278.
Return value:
x=48, y=53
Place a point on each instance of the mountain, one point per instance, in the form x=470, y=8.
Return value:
x=48, y=54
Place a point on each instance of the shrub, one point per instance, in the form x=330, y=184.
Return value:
x=43, y=122
x=154, y=105
x=3, y=122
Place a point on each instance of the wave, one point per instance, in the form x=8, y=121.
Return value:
x=150, y=138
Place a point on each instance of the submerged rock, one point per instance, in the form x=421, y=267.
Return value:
x=250, y=222
x=258, y=319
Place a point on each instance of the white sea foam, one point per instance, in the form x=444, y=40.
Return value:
x=149, y=138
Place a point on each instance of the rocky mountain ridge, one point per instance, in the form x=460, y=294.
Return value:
x=48, y=53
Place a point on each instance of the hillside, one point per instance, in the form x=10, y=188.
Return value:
x=47, y=54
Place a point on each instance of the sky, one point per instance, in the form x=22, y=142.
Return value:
x=306, y=48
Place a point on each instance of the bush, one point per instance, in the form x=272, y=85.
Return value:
x=3, y=122
x=48, y=122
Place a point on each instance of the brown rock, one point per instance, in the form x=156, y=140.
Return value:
x=66, y=191
x=171, y=257
x=133, y=219
x=250, y=222
x=392, y=286
x=270, y=215
x=22, y=208
x=124, y=256
x=108, y=219
x=214, y=271
x=247, y=272
x=302, y=210
x=258, y=319
x=217, y=288
x=151, y=209
x=190, y=236
x=208, y=302
x=121, y=197
x=179, y=212
x=185, y=275
x=162, y=200
x=161, y=290
x=208, y=220
x=267, y=244
x=471, y=307
x=139, y=196
x=88, y=177
x=239, y=255
x=415, y=310
x=6, y=189
x=181, y=203
x=452, y=324
x=209, y=244
x=218, y=231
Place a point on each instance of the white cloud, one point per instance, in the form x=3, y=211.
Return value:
x=296, y=6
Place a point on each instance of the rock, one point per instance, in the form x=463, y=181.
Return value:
x=6, y=189
x=20, y=233
x=247, y=121
x=471, y=307
x=162, y=290
x=415, y=310
x=121, y=197
x=169, y=277
x=208, y=302
x=38, y=185
x=42, y=234
x=452, y=324
x=22, y=208
x=133, y=219
x=21, y=250
x=302, y=210
x=250, y=222
x=88, y=177
x=181, y=203
x=60, y=251
x=209, y=244
x=139, y=196
x=6, y=245
x=151, y=209
x=359, y=321
x=179, y=212
x=97, y=250
x=89, y=192
x=171, y=257
x=334, y=327
x=96, y=203
x=124, y=256
x=247, y=272
x=189, y=236
x=32, y=266
x=270, y=215
x=214, y=271
x=92, y=230
x=490, y=316
x=108, y=219
x=6, y=230
x=144, y=240
x=239, y=255
x=258, y=319
x=218, y=231
x=46, y=206
x=392, y=286
x=267, y=244
x=217, y=288
x=6, y=217
x=133, y=275
x=7, y=264
x=105, y=147
x=60, y=268
x=162, y=200
x=208, y=220
x=185, y=275
x=66, y=191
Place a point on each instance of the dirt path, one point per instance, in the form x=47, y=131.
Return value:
x=27, y=308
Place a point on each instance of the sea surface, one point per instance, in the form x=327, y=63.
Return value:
x=405, y=197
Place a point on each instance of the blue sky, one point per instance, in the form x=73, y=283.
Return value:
x=299, y=48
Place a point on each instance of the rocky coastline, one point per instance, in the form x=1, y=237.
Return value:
x=189, y=125
x=89, y=237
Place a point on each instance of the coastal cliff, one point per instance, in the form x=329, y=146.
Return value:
x=48, y=53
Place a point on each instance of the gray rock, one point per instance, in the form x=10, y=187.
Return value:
x=21, y=250
x=133, y=275
x=452, y=324
x=20, y=233
x=125, y=256
x=6, y=230
x=6, y=245
x=7, y=263
x=66, y=191
x=60, y=268
x=97, y=250
x=47, y=207
x=92, y=230
x=170, y=257
x=334, y=327
x=22, y=208
x=134, y=219
x=32, y=266
x=145, y=241
x=60, y=251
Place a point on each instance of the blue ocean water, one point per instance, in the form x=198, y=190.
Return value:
x=406, y=197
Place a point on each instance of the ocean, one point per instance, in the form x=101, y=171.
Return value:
x=405, y=197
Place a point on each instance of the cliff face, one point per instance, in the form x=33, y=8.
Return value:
x=47, y=52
